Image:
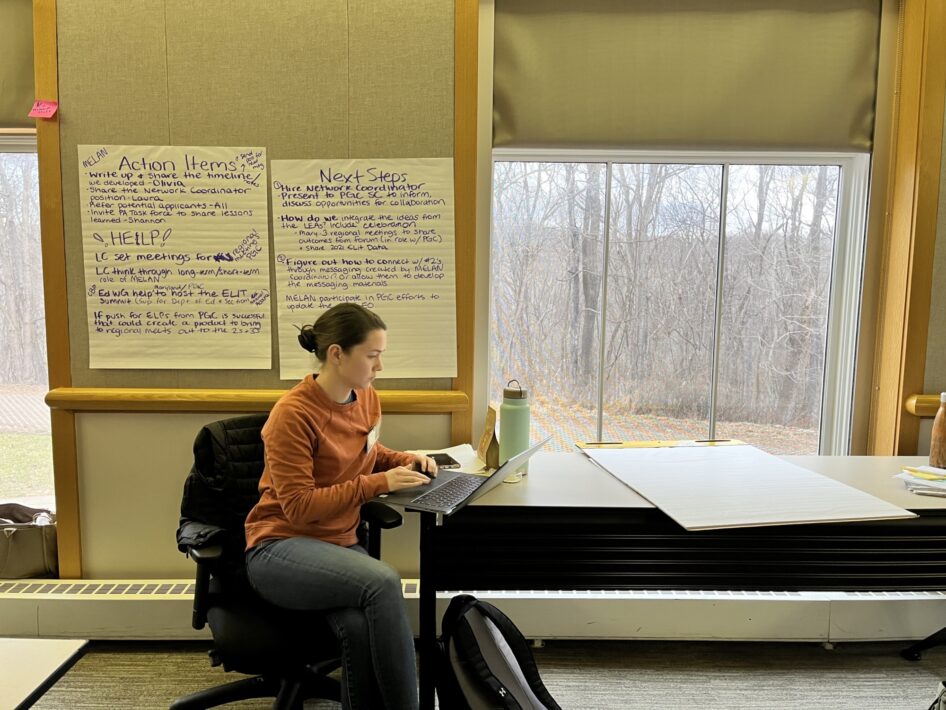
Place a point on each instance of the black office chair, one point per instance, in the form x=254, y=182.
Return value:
x=289, y=654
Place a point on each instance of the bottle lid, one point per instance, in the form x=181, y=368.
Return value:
x=942, y=397
x=515, y=392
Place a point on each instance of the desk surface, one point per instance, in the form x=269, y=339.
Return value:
x=571, y=480
x=30, y=664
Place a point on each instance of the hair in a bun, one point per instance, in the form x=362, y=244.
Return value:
x=345, y=325
x=308, y=339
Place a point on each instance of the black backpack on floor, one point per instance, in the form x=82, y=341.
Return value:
x=485, y=662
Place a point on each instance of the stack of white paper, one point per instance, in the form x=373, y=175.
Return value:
x=924, y=480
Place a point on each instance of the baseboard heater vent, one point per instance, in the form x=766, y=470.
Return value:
x=161, y=589
x=896, y=595
x=702, y=594
x=160, y=609
x=108, y=588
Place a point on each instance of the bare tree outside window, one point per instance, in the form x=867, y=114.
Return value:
x=780, y=233
x=26, y=459
x=661, y=301
x=547, y=253
x=655, y=363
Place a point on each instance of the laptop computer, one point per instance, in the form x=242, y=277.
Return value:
x=452, y=490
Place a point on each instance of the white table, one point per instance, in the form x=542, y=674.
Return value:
x=31, y=666
x=571, y=480
x=874, y=475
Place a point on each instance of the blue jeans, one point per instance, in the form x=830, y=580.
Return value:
x=367, y=613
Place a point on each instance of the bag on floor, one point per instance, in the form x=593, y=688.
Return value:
x=485, y=662
x=27, y=542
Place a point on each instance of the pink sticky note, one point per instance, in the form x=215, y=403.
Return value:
x=44, y=109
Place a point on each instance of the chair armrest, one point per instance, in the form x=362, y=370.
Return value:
x=378, y=516
x=205, y=555
x=381, y=515
x=193, y=534
x=206, y=559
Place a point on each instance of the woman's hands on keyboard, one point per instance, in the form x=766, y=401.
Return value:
x=425, y=464
x=403, y=477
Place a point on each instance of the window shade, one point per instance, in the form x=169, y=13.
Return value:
x=752, y=74
x=16, y=63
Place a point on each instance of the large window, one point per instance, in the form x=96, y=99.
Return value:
x=684, y=297
x=26, y=473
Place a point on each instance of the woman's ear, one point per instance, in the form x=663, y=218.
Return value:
x=334, y=353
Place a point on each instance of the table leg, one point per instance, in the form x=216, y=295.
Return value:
x=428, y=613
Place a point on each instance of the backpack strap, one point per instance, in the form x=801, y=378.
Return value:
x=448, y=687
x=468, y=649
x=456, y=628
x=454, y=611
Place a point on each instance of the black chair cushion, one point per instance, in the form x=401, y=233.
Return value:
x=251, y=636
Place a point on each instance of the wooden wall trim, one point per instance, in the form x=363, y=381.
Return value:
x=881, y=158
x=65, y=465
x=50, y=195
x=99, y=399
x=66, y=483
x=466, y=25
x=910, y=230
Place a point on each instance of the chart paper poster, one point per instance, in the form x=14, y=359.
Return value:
x=375, y=232
x=176, y=253
x=707, y=488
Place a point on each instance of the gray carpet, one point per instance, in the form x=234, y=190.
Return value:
x=580, y=675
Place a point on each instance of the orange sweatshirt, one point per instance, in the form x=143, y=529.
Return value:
x=319, y=469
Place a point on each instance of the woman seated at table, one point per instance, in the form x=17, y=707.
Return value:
x=323, y=460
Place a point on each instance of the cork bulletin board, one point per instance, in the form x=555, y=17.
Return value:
x=336, y=79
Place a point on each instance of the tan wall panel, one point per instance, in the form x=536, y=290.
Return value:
x=302, y=79
x=401, y=78
x=112, y=89
x=260, y=73
x=16, y=64
x=131, y=475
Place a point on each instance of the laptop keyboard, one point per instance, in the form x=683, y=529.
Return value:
x=451, y=492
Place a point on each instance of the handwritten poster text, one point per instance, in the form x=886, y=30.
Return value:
x=175, y=242
x=375, y=232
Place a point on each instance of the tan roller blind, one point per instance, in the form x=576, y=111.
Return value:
x=16, y=63
x=686, y=73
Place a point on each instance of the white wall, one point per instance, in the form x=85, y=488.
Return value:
x=131, y=474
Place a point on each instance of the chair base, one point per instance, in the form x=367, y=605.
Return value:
x=288, y=692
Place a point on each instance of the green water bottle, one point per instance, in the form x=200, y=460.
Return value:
x=514, y=426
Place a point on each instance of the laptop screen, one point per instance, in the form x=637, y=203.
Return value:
x=508, y=468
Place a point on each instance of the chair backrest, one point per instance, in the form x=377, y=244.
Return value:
x=222, y=486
